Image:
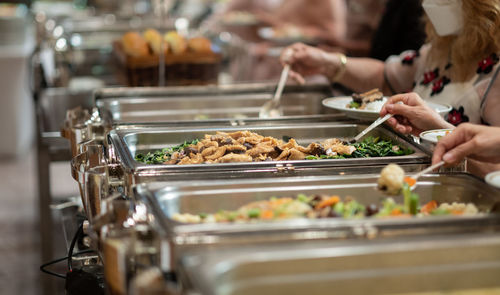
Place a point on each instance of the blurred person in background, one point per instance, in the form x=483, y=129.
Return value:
x=454, y=67
x=323, y=21
x=362, y=21
x=401, y=28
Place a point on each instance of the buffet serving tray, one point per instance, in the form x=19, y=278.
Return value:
x=196, y=198
x=51, y=113
x=222, y=105
x=465, y=264
x=209, y=104
x=97, y=33
x=125, y=144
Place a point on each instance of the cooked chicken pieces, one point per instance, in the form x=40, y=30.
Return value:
x=246, y=146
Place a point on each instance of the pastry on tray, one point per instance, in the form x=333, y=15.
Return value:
x=134, y=44
x=188, y=61
x=155, y=41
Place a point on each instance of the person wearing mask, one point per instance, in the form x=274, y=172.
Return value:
x=454, y=67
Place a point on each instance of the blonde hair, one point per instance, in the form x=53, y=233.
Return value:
x=479, y=38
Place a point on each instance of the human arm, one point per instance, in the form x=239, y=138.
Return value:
x=412, y=115
x=360, y=74
x=477, y=142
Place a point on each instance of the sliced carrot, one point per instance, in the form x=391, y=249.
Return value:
x=267, y=214
x=328, y=202
x=457, y=212
x=429, y=207
x=396, y=212
x=410, y=181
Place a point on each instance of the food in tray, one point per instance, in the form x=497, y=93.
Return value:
x=155, y=41
x=246, y=146
x=134, y=44
x=372, y=100
x=177, y=43
x=188, y=61
x=328, y=206
x=150, y=42
x=199, y=44
x=391, y=179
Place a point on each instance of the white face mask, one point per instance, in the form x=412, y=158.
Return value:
x=445, y=15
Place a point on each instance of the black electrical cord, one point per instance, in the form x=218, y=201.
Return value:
x=43, y=266
x=72, y=247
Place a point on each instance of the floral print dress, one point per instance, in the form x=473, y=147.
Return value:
x=469, y=100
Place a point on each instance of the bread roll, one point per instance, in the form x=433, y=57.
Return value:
x=154, y=39
x=200, y=44
x=134, y=44
x=176, y=42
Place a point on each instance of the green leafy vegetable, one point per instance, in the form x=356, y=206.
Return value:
x=253, y=213
x=376, y=147
x=411, y=200
x=354, y=105
x=439, y=211
x=303, y=198
x=161, y=156
x=370, y=147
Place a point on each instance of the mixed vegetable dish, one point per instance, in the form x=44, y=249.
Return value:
x=325, y=206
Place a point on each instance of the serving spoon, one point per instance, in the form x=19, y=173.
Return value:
x=413, y=179
x=374, y=125
x=271, y=109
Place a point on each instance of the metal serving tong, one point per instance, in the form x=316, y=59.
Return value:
x=377, y=122
x=414, y=178
x=271, y=108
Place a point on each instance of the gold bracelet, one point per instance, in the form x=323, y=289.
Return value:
x=343, y=65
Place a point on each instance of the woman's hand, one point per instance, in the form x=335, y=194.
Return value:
x=412, y=115
x=306, y=60
x=468, y=140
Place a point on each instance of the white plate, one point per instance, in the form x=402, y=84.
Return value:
x=493, y=179
x=269, y=34
x=433, y=136
x=239, y=19
x=340, y=103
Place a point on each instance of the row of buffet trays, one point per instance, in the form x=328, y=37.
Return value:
x=130, y=205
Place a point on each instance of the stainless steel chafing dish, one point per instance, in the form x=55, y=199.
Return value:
x=454, y=264
x=210, y=103
x=241, y=253
x=124, y=144
x=126, y=172
x=164, y=200
x=231, y=105
x=236, y=258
